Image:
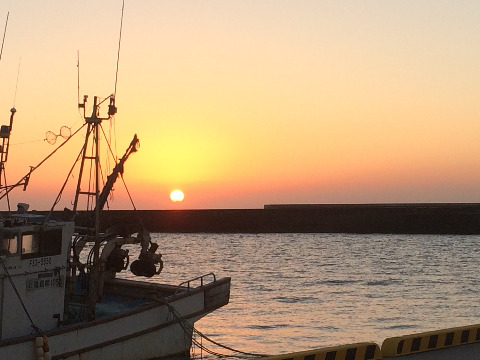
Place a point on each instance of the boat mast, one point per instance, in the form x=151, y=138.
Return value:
x=93, y=130
x=5, y=132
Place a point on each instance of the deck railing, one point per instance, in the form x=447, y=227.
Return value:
x=186, y=284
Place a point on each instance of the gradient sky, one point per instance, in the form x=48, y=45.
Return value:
x=242, y=103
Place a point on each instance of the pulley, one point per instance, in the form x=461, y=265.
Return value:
x=145, y=265
x=118, y=259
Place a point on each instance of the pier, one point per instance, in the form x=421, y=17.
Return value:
x=428, y=218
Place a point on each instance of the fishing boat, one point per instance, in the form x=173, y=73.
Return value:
x=60, y=297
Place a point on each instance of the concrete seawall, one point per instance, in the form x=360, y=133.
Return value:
x=349, y=218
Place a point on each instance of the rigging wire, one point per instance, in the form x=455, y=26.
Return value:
x=133, y=204
x=124, y=183
x=78, y=77
x=16, y=84
x=59, y=196
x=119, y=42
x=108, y=165
x=28, y=142
x=33, y=168
x=114, y=157
x=4, y=33
x=112, y=119
x=34, y=327
x=108, y=143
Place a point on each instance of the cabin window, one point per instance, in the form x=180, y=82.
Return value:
x=51, y=242
x=8, y=245
x=45, y=243
x=30, y=244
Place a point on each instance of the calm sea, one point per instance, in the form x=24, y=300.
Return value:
x=293, y=292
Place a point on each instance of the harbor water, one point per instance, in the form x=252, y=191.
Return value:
x=293, y=292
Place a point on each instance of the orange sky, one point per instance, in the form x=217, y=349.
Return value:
x=243, y=103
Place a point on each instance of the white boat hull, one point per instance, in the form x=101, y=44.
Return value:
x=149, y=332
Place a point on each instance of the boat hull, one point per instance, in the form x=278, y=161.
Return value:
x=154, y=330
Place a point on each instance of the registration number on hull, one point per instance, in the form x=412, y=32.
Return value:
x=43, y=261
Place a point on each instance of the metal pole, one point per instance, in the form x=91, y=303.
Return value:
x=93, y=290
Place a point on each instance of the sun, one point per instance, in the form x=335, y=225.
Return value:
x=177, y=196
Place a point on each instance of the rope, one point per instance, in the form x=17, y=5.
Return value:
x=226, y=347
x=34, y=327
x=188, y=328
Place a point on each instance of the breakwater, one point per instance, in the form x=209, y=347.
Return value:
x=450, y=218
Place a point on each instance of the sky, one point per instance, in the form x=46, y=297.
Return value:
x=243, y=103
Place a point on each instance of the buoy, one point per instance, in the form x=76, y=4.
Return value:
x=39, y=352
x=38, y=341
x=42, y=350
x=46, y=348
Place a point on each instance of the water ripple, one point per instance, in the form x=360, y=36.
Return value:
x=291, y=292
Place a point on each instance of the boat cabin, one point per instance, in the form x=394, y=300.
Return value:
x=32, y=273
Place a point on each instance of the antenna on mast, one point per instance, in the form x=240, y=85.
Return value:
x=5, y=131
x=16, y=84
x=4, y=33
x=112, y=109
x=119, y=43
x=78, y=76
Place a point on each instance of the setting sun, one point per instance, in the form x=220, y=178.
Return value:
x=241, y=124
x=177, y=195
